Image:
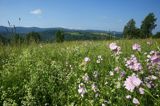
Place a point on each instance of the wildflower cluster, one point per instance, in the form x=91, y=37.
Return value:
x=133, y=64
x=99, y=59
x=115, y=48
x=136, y=47
x=87, y=82
x=153, y=60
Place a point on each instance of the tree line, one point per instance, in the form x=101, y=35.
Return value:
x=30, y=38
x=145, y=30
x=17, y=39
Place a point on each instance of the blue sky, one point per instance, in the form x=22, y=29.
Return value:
x=77, y=14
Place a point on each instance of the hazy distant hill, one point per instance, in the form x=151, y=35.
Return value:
x=70, y=34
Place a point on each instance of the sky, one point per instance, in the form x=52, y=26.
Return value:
x=109, y=15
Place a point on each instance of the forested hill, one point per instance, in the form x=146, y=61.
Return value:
x=70, y=34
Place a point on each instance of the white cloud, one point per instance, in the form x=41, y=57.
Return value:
x=36, y=12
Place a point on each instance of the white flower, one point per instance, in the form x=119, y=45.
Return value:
x=98, y=61
x=118, y=84
x=153, y=77
x=85, y=77
x=148, y=85
x=86, y=59
x=95, y=74
x=99, y=57
x=103, y=104
x=128, y=97
x=135, y=101
x=141, y=90
x=111, y=73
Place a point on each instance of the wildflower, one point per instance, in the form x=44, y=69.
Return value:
x=86, y=59
x=106, y=83
x=123, y=73
x=153, y=60
x=99, y=59
x=96, y=95
x=135, y=101
x=153, y=77
x=148, y=85
x=141, y=90
x=136, y=47
x=118, y=84
x=145, y=53
x=113, y=46
x=82, y=90
x=117, y=69
x=95, y=74
x=111, y=73
x=85, y=78
x=116, y=49
x=128, y=97
x=133, y=63
x=103, y=104
x=132, y=82
x=94, y=87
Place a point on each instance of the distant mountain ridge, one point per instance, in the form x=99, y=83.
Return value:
x=48, y=33
x=37, y=29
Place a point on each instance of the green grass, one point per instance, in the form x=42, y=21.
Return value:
x=42, y=74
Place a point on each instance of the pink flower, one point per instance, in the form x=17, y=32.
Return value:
x=123, y=73
x=113, y=46
x=94, y=87
x=116, y=49
x=132, y=82
x=135, y=101
x=117, y=69
x=133, y=64
x=136, y=47
x=82, y=90
x=153, y=60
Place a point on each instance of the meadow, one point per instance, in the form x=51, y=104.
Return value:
x=81, y=73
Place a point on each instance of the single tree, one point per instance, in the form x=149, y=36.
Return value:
x=130, y=29
x=59, y=36
x=148, y=24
